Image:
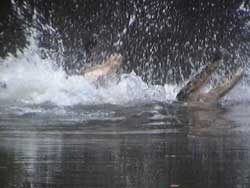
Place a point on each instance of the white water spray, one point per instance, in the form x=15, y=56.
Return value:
x=34, y=80
x=29, y=78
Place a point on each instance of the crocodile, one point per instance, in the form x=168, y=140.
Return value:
x=190, y=92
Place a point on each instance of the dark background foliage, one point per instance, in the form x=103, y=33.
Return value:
x=160, y=40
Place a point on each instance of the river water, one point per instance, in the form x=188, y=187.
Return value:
x=58, y=130
x=147, y=145
x=61, y=131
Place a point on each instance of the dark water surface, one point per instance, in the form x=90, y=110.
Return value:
x=156, y=145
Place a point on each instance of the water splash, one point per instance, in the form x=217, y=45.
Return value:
x=241, y=92
x=32, y=79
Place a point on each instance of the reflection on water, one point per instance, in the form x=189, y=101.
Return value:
x=157, y=145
